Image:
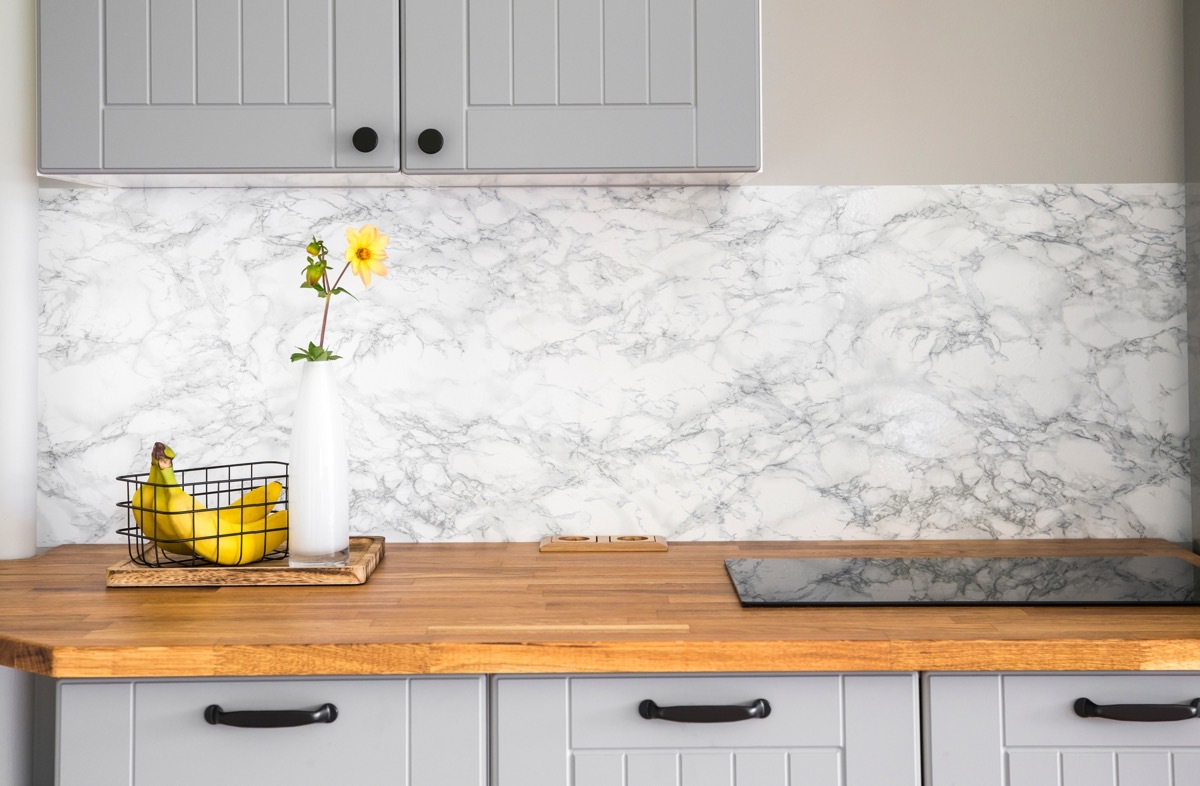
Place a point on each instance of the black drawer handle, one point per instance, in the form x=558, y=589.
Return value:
x=270, y=719
x=1145, y=713
x=759, y=708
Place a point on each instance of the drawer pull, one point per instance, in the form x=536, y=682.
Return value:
x=270, y=719
x=759, y=708
x=1148, y=713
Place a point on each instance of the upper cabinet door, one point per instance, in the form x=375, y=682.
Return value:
x=581, y=85
x=218, y=85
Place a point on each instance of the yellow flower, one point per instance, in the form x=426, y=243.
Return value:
x=366, y=252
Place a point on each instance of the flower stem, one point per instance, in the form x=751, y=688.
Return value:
x=328, y=297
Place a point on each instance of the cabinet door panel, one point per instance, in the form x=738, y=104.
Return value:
x=599, y=769
x=94, y=735
x=221, y=85
x=727, y=63
x=217, y=137
x=435, y=81
x=490, y=33
x=965, y=742
x=172, y=53
x=672, y=56
x=665, y=80
x=768, y=769
x=1186, y=769
x=881, y=746
x=815, y=768
x=1088, y=768
x=448, y=732
x=264, y=52
x=550, y=138
x=1032, y=768
x=652, y=769
x=581, y=34
x=69, y=84
x=535, y=52
x=626, y=61
x=310, y=23
x=1144, y=769
x=707, y=769
x=218, y=52
x=367, y=35
x=127, y=66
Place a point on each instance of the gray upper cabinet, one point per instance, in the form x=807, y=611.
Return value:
x=581, y=85
x=217, y=85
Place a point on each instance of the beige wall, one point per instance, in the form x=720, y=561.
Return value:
x=1191, y=37
x=972, y=91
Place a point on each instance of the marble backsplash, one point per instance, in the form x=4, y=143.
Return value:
x=699, y=363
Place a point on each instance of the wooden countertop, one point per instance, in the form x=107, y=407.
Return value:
x=505, y=608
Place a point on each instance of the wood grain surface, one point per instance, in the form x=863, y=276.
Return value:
x=365, y=554
x=506, y=608
x=594, y=543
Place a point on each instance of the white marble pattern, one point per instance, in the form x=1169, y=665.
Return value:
x=699, y=363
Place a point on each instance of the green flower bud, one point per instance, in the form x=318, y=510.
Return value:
x=314, y=247
x=312, y=273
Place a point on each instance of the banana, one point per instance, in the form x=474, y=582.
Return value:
x=227, y=536
x=150, y=498
x=252, y=506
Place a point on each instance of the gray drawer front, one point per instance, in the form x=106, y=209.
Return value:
x=823, y=730
x=1038, y=710
x=421, y=731
x=805, y=712
x=1021, y=730
x=173, y=743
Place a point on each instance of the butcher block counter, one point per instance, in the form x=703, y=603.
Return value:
x=496, y=608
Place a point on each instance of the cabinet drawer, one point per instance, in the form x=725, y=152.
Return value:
x=822, y=730
x=804, y=711
x=156, y=732
x=1039, y=710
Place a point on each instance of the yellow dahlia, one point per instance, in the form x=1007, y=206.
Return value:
x=366, y=252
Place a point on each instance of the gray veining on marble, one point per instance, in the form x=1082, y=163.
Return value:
x=963, y=581
x=699, y=363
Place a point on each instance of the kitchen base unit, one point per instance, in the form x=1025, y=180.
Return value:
x=418, y=731
x=706, y=730
x=1098, y=729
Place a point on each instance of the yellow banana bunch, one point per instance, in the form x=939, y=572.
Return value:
x=182, y=525
x=149, y=499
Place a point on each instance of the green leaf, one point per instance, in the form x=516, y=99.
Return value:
x=314, y=353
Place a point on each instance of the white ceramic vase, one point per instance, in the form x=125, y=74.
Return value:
x=318, y=472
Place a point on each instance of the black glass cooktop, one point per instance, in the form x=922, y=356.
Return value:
x=965, y=581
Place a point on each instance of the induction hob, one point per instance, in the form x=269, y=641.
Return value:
x=965, y=581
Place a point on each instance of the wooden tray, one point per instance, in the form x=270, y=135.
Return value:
x=594, y=543
x=365, y=554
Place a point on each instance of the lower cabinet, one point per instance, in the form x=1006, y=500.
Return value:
x=419, y=731
x=1019, y=729
x=1028, y=730
x=692, y=730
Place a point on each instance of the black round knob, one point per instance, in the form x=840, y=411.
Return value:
x=430, y=141
x=365, y=139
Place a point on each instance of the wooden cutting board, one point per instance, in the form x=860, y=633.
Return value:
x=365, y=554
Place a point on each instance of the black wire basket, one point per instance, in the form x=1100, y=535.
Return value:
x=231, y=514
